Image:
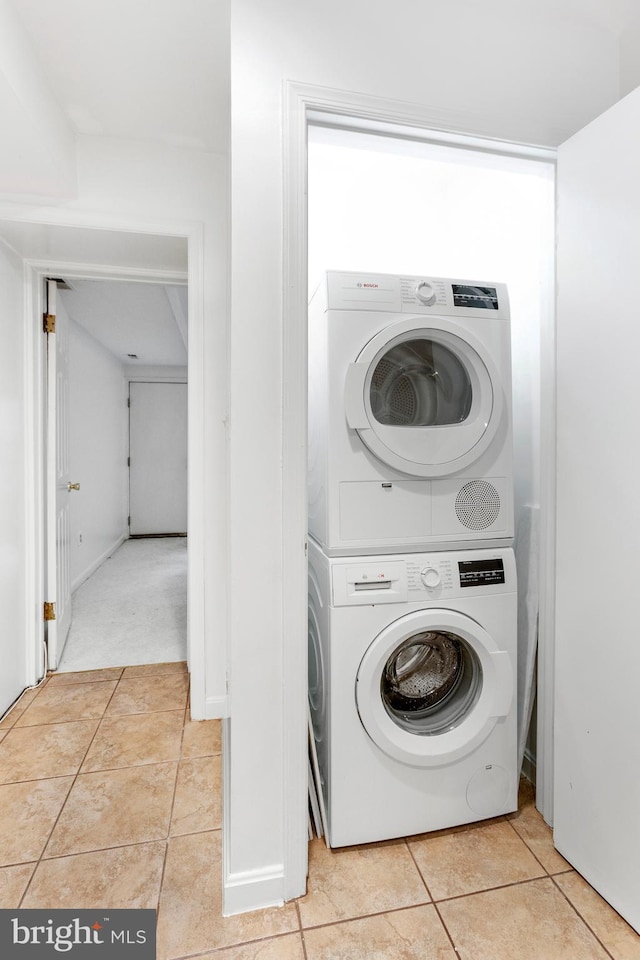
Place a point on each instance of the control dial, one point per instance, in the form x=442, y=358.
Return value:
x=430, y=577
x=425, y=293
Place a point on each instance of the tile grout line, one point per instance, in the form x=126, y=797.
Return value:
x=529, y=848
x=185, y=714
x=47, y=841
x=114, y=716
x=435, y=905
x=175, y=759
x=66, y=687
x=232, y=946
x=12, y=706
x=579, y=915
x=415, y=863
x=126, y=766
x=366, y=916
x=499, y=886
x=301, y=930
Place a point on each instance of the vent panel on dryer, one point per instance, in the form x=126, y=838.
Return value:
x=478, y=505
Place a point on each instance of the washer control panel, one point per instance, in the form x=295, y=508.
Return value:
x=444, y=575
x=433, y=575
x=423, y=577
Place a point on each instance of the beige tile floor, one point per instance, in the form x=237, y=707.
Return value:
x=111, y=797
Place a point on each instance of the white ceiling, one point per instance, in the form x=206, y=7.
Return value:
x=159, y=70
x=155, y=70
x=145, y=319
x=613, y=15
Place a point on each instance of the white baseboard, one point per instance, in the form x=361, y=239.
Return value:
x=253, y=890
x=216, y=708
x=97, y=563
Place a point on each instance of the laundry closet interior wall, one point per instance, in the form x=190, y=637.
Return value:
x=387, y=205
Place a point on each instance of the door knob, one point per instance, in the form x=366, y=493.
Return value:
x=73, y=486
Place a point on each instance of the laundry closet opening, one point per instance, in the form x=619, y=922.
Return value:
x=415, y=207
x=123, y=353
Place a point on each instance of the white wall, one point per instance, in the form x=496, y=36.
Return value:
x=13, y=671
x=154, y=373
x=497, y=68
x=630, y=55
x=97, y=452
x=38, y=150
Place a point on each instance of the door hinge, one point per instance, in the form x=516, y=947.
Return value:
x=128, y=461
x=49, y=610
x=128, y=521
x=49, y=323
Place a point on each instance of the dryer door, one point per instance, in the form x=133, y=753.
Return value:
x=425, y=399
x=432, y=686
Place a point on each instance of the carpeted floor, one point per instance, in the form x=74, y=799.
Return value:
x=133, y=609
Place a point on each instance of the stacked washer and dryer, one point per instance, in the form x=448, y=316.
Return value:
x=412, y=582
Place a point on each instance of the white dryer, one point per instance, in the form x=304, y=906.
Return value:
x=410, y=439
x=412, y=680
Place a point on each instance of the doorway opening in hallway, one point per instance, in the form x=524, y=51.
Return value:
x=122, y=434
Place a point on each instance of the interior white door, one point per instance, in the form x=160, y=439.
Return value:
x=597, y=705
x=157, y=458
x=59, y=487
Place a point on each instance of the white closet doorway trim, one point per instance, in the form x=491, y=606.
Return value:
x=204, y=702
x=303, y=105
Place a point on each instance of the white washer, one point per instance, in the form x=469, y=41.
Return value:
x=412, y=680
x=410, y=442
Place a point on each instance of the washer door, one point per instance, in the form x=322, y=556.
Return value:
x=425, y=400
x=432, y=686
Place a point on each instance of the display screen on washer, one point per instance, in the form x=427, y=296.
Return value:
x=480, y=573
x=480, y=298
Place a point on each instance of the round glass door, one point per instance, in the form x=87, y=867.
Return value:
x=427, y=401
x=431, y=687
x=420, y=383
x=430, y=682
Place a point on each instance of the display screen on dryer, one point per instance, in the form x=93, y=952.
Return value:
x=481, y=573
x=480, y=298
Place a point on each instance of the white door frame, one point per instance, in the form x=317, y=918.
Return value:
x=34, y=271
x=302, y=104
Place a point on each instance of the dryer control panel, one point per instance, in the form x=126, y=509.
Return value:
x=414, y=294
